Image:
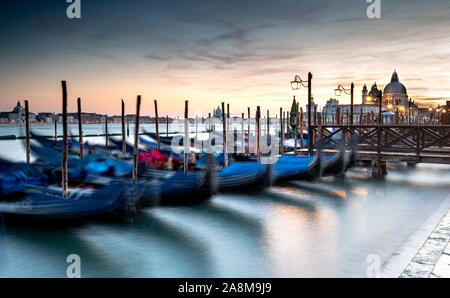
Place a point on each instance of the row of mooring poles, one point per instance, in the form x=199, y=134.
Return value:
x=226, y=115
x=64, y=171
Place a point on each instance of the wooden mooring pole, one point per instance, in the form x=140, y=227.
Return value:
x=136, y=139
x=287, y=125
x=128, y=127
x=258, y=133
x=106, y=131
x=228, y=115
x=224, y=132
x=64, y=173
x=310, y=140
x=196, y=127
x=158, y=145
x=338, y=116
x=248, y=128
x=167, y=125
x=297, y=114
x=27, y=130
x=56, y=128
x=210, y=129
x=281, y=132
x=301, y=128
x=243, y=134
x=352, y=87
x=186, y=136
x=124, y=137
x=80, y=127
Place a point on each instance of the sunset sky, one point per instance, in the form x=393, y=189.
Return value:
x=207, y=51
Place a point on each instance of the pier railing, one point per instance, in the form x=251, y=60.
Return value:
x=411, y=143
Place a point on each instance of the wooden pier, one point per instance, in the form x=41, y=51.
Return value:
x=405, y=143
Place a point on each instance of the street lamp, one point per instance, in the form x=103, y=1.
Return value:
x=298, y=82
x=338, y=91
x=296, y=85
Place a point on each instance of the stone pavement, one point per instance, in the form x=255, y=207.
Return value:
x=433, y=258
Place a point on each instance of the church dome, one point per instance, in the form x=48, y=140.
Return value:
x=395, y=87
x=17, y=108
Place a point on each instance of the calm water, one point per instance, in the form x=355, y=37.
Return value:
x=297, y=229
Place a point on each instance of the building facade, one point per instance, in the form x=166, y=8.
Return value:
x=394, y=98
x=331, y=107
x=17, y=115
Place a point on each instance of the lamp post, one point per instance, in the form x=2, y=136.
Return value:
x=380, y=119
x=296, y=84
x=430, y=109
x=338, y=92
x=443, y=115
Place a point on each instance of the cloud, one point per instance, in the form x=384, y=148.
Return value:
x=227, y=47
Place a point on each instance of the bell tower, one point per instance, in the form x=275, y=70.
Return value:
x=364, y=94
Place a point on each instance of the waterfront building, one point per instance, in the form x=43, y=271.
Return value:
x=17, y=115
x=330, y=110
x=372, y=97
x=446, y=116
x=393, y=98
x=93, y=118
x=217, y=113
x=45, y=117
x=4, y=117
x=395, y=94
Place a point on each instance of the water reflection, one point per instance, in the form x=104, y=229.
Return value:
x=34, y=252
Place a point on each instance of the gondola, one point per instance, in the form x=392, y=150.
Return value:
x=175, y=188
x=242, y=176
x=161, y=187
x=164, y=149
x=334, y=165
x=167, y=140
x=290, y=167
x=73, y=145
x=117, y=144
x=81, y=168
x=46, y=204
